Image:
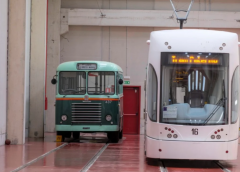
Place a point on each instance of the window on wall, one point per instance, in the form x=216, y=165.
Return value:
x=152, y=94
x=234, y=102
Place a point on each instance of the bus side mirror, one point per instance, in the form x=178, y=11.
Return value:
x=53, y=81
x=120, y=81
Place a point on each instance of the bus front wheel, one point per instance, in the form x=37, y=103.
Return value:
x=120, y=134
x=76, y=135
x=113, y=136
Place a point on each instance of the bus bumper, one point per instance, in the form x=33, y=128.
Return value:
x=87, y=128
x=162, y=149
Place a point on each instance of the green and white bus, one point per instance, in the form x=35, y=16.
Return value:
x=89, y=99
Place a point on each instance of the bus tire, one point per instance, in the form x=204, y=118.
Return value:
x=76, y=135
x=67, y=134
x=61, y=133
x=120, y=134
x=113, y=136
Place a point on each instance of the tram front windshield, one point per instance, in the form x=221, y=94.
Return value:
x=194, y=88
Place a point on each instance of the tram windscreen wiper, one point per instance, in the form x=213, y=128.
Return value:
x=219, y=104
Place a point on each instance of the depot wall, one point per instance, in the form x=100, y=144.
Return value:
x=3, y=68
x=199, y=5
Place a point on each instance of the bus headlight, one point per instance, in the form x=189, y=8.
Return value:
x=64, y=117
x=108, y=117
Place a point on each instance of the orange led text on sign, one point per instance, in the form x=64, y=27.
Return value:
x=174, y=60
x=213, y=61
x=195, y=61
x=183, y=61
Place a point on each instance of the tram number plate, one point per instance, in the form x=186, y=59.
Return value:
x=58, y=138
x=195, y=131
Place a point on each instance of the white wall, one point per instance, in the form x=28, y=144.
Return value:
x=199, y=5
x=3, y=68
x=53, y=59
x=37, y=68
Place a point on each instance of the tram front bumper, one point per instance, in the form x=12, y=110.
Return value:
x=164, y=149
x=87, y=128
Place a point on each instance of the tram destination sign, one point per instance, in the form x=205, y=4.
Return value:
x=197, y=59
x=86, y=66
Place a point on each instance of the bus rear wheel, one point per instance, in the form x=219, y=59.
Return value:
x=113, y=136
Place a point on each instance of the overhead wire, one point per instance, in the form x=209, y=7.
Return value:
x=100, y=9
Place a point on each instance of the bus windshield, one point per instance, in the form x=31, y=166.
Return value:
x=101, y=83
x=72, y=83
x=194, y=88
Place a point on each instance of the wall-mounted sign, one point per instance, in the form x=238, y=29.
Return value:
x=126, y=77
x=126, y=82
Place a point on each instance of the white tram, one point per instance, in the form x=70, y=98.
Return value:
x=192, y=99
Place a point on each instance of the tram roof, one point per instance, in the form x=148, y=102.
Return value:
x=101, y=66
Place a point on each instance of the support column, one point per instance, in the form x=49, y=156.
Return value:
x=37, y=68
x=3, y=68
x=16, y=72
x=53, y=59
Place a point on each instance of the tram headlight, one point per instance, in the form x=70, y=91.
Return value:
x=108, y=117
x=64, y=117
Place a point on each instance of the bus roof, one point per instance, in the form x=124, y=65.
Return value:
x=101, y=66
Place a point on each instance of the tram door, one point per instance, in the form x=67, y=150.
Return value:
x=131, y=110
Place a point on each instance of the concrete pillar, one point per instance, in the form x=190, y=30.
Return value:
x=37, y=68
x=16, y=72
x=53, y=59
x=3, y=68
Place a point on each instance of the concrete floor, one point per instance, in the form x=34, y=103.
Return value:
x=39, y=155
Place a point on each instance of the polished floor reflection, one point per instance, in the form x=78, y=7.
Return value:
x=127, y=155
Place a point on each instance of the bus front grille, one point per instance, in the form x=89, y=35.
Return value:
x=86, y=113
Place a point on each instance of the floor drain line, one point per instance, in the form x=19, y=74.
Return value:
x=162, y=167
x=94, y=159
x=221, y=166
x=38, y=158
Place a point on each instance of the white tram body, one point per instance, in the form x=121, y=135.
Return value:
x=192, y=99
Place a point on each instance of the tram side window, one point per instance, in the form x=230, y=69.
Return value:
x=235, y=85
x=152, y=94
x=72, y=83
